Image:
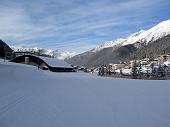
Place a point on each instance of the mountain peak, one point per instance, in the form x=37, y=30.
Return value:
x=143, y=36
x=160, y=30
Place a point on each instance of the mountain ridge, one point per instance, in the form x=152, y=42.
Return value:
x=49, y=52
x=135, y=42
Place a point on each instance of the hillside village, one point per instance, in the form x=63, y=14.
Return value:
x=146, y=68
x=158, y=68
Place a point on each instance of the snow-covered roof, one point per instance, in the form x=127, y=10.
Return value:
x=147, y=69
x=127, y=71
x=167, y=63
x=54, y=62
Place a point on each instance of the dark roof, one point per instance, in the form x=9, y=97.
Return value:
x=50, y=62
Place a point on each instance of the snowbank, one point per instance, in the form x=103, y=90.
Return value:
x=34, y=98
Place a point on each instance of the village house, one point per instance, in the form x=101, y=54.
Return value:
x=44, y=63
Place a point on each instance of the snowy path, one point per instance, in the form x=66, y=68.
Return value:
x=33, y=98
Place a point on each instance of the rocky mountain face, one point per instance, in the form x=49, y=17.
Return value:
x=138, y=45
x=102, y=57
x=152, y=50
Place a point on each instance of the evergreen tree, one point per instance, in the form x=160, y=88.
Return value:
x=134, y=70
x=140, y=70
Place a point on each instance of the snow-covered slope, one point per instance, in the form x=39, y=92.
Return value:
x=34, y=98
x=66, y=55
x=108, y=44
x=50, y=52
x=156, y=32
x=159, y=31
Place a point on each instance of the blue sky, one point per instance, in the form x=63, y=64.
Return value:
x=76, y=25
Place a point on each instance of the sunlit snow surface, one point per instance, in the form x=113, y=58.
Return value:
x=54, y=62
x=34, y=98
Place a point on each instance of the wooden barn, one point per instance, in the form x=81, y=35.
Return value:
x=5, y=51
x=44, y=63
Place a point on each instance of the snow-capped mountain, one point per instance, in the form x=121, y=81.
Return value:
x=150, y=43
x=24, y=49
x=159, y=31
x=66, y=55
x=108, y=44
x=143, y=36
x=49, y=52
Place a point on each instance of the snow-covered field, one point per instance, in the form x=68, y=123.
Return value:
x=34, y=98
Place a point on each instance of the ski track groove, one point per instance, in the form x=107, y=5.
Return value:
x=4, y=109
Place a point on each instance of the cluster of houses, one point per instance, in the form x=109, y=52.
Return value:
x=35, y=59
x=159, y=67
x=145, y=68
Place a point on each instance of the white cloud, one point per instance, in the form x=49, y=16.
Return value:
x=67, y=24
